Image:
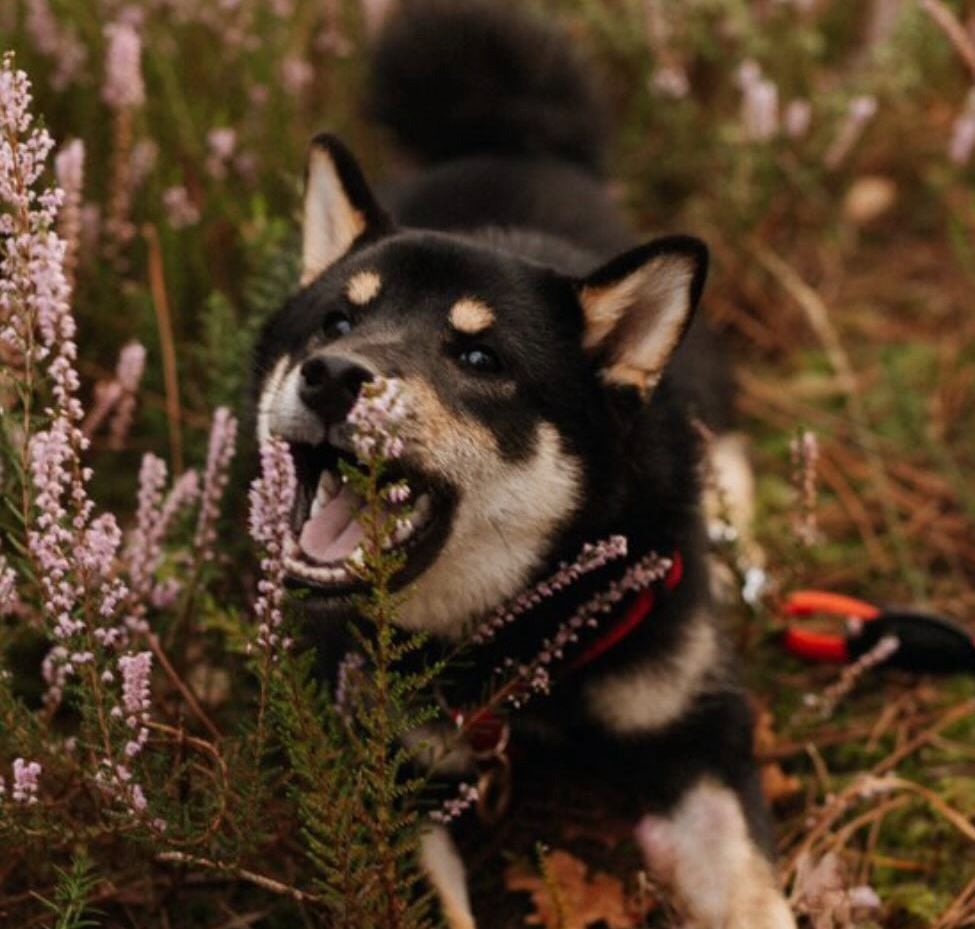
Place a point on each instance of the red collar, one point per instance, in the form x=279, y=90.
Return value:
x=641, y=607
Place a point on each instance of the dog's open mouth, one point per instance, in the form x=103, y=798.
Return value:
x=327, y=523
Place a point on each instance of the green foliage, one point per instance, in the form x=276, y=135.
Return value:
x=72, y=892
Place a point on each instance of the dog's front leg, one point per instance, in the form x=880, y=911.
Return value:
x=702, y=851
x=442, y=864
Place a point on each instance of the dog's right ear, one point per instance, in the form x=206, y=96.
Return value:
x=340, y=208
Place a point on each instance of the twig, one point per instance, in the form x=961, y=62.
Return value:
x=948, y=23
x=181, y=686
x=252, y=877
x=160, y=303
x=955, y=714
x=956, y=910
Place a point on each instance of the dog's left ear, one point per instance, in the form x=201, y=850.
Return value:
x=637, y=308
x=339, y=207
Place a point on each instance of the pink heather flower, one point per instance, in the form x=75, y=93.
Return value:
x=272, y=497
x=860, y=111
x=24, y=787
x=69, y=168
x=223, y=442
x=760, y=110
x=56, y=41
x=296, y=75
x=375, y=12
x=963, y=133
x=222, y=142
x=180, y=209
x=123, y=87
x=8, y=588
x=671, y=81
x=591, y=558
x=533, y=677
x=375, y=419
x=350, y=667
x=797, y=118
x=142, y=161
x=466, y=797
x=73, y=552
x=805, y=457
x=136, y=671
x=128, y=375
x=143, y=551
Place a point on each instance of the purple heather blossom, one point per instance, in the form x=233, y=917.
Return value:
x=222, y=446
x=797, y=118
x=73, y=552
x=963, y=133
x=25, y=782
x=123, y=87
x=8, y=588
x=296, y=75
x=181, y=211
x=670, y=80
x=760, y=110
x=534, y=677
x=375, y=419
x=69, y=168
x=128, y=375
x=350, y=666
x=591, y=558
x=375, y=13
x=861, y=110
x=272, y=497
x=466, y=797
x=221, y=142
x=142, y=161
x=136, y=671
x=55, y=41
x=142, y=552
x=804, y=450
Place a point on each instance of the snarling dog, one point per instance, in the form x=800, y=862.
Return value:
x=552, y=372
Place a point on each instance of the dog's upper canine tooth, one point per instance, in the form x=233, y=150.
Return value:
x=327, y=488
x=421, y=511
x=330, y=481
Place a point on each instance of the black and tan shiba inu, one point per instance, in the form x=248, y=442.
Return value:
x=552, y=372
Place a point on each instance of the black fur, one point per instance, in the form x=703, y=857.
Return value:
x=459, y=79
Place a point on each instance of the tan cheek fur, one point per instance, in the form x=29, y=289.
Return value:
x=506, y=513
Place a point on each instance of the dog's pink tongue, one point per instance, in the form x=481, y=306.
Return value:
x=333, y=533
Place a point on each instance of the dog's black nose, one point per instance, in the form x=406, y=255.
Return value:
x=330, y=386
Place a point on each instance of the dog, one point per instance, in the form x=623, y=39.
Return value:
x=553, y=367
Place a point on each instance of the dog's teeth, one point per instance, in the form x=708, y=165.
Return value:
x=327, y=487
x=330, y=481
x=421, y=512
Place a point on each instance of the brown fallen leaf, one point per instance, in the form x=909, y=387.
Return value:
x=777, y=786
x=564, y=896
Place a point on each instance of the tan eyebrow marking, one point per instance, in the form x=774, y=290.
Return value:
x=471, y=316
x=363, y=287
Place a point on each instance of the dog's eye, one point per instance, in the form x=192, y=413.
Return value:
x=479, y=358
x=336, y=324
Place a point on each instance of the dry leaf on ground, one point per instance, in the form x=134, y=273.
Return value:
x=566, y=898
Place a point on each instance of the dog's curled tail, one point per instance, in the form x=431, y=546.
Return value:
x=456, y=78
